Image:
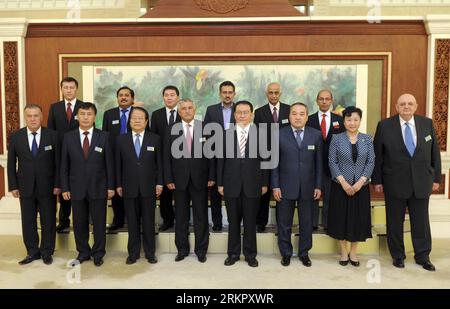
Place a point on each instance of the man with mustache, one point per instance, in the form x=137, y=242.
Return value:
x=116, y=122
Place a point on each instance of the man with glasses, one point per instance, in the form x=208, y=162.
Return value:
x=328, y=123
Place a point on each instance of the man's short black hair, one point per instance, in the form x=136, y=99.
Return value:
x=226, y=83
x=243, y=102
x=68, y=79
x=171, y=87
x=125, y=87
x=87, y=106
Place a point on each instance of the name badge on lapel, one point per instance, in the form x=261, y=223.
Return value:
x=336, y=124
x=428, y=138
x=202, y=139
x=47, y=148
x=150, y=148
x=284, y=121
x=75, y=117
x=115, y=122
x=98, y=149
x=311, y=147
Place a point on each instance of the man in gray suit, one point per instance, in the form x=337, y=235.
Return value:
x=407, y=169
x=298, y=178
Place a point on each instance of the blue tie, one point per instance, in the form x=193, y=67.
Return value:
x=123, y=122
x=299, y=137
x=409, y=141
x=34, y=146
x=137, y=145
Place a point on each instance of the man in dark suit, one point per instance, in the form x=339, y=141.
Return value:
x=159, y=124
x=297, y=178
x=139, y=180
x=116, y=122
x=87, y=179
x=189, y=173
x=241, y=180
x=35, y=182
x=273, y=112
x=62, y=118
x=407, y=169
x=328, y=123
x=222, y=114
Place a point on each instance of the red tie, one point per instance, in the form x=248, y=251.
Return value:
x=69, y=111
x=323, y=127
x=86, y=145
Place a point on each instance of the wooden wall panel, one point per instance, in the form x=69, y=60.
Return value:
x=406, y=40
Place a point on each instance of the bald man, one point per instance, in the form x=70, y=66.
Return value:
x=407, y=170
x=272, y=112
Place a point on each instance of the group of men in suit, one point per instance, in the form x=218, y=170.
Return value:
x=134, y=163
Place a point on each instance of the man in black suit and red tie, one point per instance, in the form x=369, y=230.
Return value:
x=35, y=182
x=116, y=122
x=328, y=123
x=222, y=114
x=139, y=180
x=159, y=124
x=189, y=172
x=87, y=179
x=62, y=118
x=273, y=112
x=242, y=180
x=407, y=170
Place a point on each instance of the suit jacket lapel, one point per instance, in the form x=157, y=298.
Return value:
x=292, y=139
x=268, y=114
x=94, y=140
x=419, y=134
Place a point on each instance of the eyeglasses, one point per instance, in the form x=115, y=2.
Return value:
x=324, y=99
x=243, y=113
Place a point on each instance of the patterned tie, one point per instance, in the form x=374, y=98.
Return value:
x=299, y=137
x=34, y=145
x=188, y=138
x=409, y=140
x=172, y=117
x=137, y=145
x=242, y=143
x=69, y=111
x=123, y=122
x=274, y=115
x=323, y=126
x=86, y=145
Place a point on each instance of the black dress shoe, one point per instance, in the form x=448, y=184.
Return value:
x=252, y=262
x=28, y=259
x=129, y=261
x=82, y=259
x=63, y=229
x=165, y=226
x=230, y=261
x=98, y=262
x=427, y=265
x=114, y=228
x=354, y=263
x=180, y=257
x=217, y=228
x=286, y=260
x=344, y=263
x=305, y=261
x=152, y=260
x=398, y=263
x=261, y=228
x=47, y=259
x=202, y=258
x=315, y=228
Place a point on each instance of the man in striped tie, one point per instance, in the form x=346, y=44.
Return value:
x=242, y=181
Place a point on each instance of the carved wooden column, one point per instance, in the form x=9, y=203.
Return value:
x=12, y=89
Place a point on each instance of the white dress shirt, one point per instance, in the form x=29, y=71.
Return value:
x=327, y=119
x=31, y=136
x=412, y=125
x=91, y=130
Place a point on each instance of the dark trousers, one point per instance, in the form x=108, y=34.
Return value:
x=137, y=210
x=263, y=213
x=420, y=227
x=166, y=206
x=64, y=211
x=29, y=207
x=216, y=206
x=199, y=200
x=96, y=208
x=118, y=209
x=285, y=215
x=326, y=188
x=238, y=209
